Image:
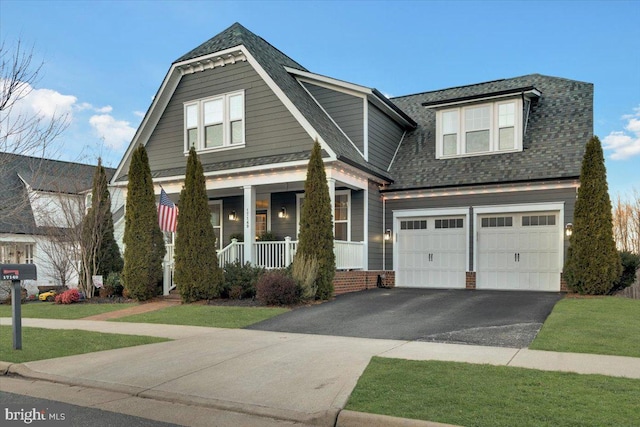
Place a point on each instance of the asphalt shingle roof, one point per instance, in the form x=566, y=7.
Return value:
x=560, y=124
x=42, y=175
x=273, y=61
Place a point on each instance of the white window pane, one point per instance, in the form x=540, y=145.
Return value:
x=236, y=110
x=450, y=122
x=342, y=208
x=477, y=118
x=507, y=138
x=213, y=136
x=506, y=115
x=215, y=215
x=192, y=116
x=341, y=231
x=450, y=145
x=236, y=132
x=478, y=141
x=192, y=138
x=213, y=111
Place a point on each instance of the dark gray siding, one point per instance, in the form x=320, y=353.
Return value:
x=231, y=227
x=568, y=196
x=270, y=127
x=283, y=227
x=384, y=137
x=357, y=216
x=346, y=110
x=376, y=229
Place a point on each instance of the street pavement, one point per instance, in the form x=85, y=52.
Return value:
x=265, y=378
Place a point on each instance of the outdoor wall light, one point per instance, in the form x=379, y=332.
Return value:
x=568, y=230
x=282, y=213
x=232, y=216
x=387, y=234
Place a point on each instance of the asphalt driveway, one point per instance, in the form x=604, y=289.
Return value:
x=493, y=318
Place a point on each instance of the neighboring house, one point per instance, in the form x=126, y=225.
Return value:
x=45, y=200
x=470, y=186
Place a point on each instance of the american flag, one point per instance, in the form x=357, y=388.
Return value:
x=167, y=213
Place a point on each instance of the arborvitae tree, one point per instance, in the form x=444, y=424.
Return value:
x=593, y=263
x=100, y=253
x=143, y=240
x=316, y=224
x=197, y=273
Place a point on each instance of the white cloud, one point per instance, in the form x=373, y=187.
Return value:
x=48, y=103
x=86, y=106
x=139, y=114
x=115, y=133
x=625, y=143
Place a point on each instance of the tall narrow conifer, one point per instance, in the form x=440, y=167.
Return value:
x=593, y=263
x=143, y=240
x=316, y=224
x=197, y=274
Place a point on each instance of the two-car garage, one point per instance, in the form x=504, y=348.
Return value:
x=514, y=247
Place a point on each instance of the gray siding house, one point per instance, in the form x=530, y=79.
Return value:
x=466, y=187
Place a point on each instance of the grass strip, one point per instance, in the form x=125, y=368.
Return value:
x=206, y=315
x=40, y=343
x=494, y=396
x=602, y=325
x=49, y=310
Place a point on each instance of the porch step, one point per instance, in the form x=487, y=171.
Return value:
x=174, y=295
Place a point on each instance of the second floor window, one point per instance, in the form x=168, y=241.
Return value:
x=215, y=123
x=480, y=129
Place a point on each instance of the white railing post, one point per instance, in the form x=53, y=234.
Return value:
x=234, y=249
x=287, y=251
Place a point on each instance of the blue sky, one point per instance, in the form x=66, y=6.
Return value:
x=104, y=61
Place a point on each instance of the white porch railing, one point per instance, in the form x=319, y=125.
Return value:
x=270, y=255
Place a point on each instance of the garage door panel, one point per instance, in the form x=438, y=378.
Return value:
x=524, y=255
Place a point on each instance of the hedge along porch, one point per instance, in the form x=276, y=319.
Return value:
x=256, y=217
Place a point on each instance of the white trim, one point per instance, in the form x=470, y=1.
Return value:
x=365, y=226
x=220, y=203
x=397, y=149
x=348, y=220
x=520, y=208
x=365, y=130
x=528, y=94
x=332, y=120
x=287, y=103
x=489, y=189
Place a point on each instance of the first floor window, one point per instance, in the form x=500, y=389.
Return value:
x=341, y=215
x=215, y=123
x=216, y=221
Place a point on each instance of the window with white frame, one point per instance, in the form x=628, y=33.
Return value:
x=28, y=253
x=216, y=221
x=341, y=215
x=215, y=123
x=480, y=129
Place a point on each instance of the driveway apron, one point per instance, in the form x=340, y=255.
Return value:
x=493, y=318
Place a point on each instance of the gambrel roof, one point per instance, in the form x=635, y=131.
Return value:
x=281, y=70
x=560, y=123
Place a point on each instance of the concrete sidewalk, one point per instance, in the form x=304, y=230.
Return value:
x=296, y=378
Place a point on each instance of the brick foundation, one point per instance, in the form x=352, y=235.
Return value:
x=359, y=280
x=470, y=280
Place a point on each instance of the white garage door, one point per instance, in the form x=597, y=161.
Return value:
x=519, y=251
x=432, y=252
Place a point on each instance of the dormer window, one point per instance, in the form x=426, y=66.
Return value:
x=215, y=123
x=477, y=129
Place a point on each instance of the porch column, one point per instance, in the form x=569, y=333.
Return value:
x=331, y=182
x=249, y=222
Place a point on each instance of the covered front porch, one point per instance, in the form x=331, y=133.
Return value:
x=256, y=218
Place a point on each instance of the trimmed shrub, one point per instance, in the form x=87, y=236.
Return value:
x=276, y=288
x=240, y=280
x=630, y=264
x=304, y=271
x=68, y=297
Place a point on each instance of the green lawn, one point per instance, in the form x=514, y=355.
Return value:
x=493, y=396
x=605, y=325
x=206, y=315
x=39, y=343
x=49, y=310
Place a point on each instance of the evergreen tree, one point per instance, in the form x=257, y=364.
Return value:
x=197, y=273
x=101, y=255
x=593, y=263
x=143, y=240
x=316, y=224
